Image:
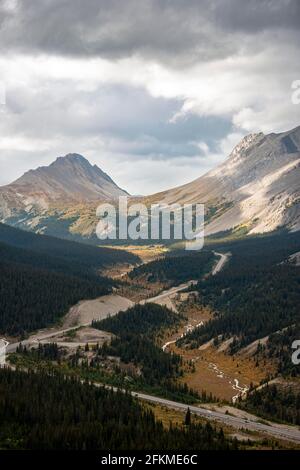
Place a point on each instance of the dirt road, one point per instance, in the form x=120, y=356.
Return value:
x=83, y=313
x=221, y=262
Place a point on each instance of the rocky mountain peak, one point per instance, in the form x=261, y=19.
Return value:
x=256, y=187
x=250, y=140
x=69, y=179
x=75, y=158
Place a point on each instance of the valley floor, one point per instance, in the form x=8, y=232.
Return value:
x=207, y=368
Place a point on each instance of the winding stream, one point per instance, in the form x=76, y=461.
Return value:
x=188, y=329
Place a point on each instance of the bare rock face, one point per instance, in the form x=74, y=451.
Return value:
x=257, y=187
x=69, y=179
x=52, y=199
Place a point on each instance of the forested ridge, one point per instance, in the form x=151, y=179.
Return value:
x=42, y=277
x=32, y=298
x=256, y=294
x=176, y=269
x=143, y=367
x=29, y=258
x=87, y=255
x=141, y=319
x=136, y=331
x=279, y=348
x=137, y=342
x=43, y=411
x=274, y=402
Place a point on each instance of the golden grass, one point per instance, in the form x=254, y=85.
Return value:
x=201, y=375
x=260, y=441
x=205, y=377
x=147, y=253
x=139, y=289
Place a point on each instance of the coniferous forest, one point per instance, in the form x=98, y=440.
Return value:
x=44, y=411
x=145, y=319
x=137, y=330
x=42, y=277
x=176, y=269
x=255, y=295
x=279, y=347
x=32, y=298
x=70, y=251
x=275, y=403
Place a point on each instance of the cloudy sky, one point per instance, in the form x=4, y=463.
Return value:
x=155, y=92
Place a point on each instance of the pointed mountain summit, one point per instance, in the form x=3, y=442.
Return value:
x=69, y=179
x=51, y=198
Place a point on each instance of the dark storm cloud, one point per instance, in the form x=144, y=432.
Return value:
x=126, y=117
x=257, y=15
x=175, y=31
x=198, y=75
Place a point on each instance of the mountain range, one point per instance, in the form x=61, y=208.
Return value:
x=255, y=190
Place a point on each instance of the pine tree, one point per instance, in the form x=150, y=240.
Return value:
x=187, y=420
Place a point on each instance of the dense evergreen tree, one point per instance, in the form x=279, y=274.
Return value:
x=176, y=269
x=157, y=366
x=141, y=319
x=44, y=411
x=187, y=419
x=273, y=402
x=84, y=254
x=41, y=277
x=32, y=298
x=256, y=294
x=48, y=351
x=136, y=331
x=279, y=348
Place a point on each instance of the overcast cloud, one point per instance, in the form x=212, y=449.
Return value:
x=156, y=92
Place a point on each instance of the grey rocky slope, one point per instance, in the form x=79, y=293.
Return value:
x=68, y=180
x=257, y=187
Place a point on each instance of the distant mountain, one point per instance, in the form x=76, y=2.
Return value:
x=256, y=189
x=70, y=179
x=49, y=199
